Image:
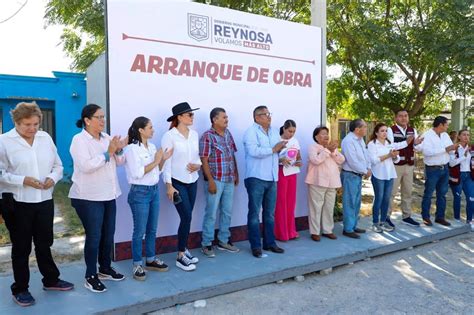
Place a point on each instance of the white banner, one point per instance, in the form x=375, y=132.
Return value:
x=161, y=53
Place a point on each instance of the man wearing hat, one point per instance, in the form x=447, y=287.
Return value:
x=262, y=145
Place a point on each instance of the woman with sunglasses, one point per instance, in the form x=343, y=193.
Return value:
x=180, y=174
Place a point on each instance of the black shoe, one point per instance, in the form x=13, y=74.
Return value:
x=275, y=249
x=23, y=298
x=357, y=230
x=389, y=222
x=156, y=265
x=409, y=221
x=94, y=284
x=61, y=285
x=257, y=252
x=351, y=234
x=139, y=273
x=427, y=222
x=442, y=221
x=110, y=274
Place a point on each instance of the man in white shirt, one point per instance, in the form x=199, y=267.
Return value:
x=399, y=133
x=436, y=147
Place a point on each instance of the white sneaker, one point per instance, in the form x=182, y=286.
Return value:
x=386, y=227
x=472, y=225
x=376, y=228
x=139, y=273
x=194, y=260
x=185, y=263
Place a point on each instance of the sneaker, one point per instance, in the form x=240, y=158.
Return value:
x=389, y=222
x=185, y=263
x=442, y=221
x=228, y=247
x=156, y=265
x=94, y=284
x=23, y=299
x=138, y=273
x=427, y=222
x=409, y=221
x=61, y=285
x=386, y=227
x=110, y=274
x=472, y=226
x=194, y=260
x=208, y=251
x=376, y=228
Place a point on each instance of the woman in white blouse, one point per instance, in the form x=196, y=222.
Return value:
x=383, y=154
x=95, y=187
x=181, y=174
x=30, y=167
x=143, y=167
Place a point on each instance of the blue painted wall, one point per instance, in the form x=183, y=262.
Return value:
x=65, y=93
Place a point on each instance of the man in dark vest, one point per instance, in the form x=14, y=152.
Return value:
x=401, y=132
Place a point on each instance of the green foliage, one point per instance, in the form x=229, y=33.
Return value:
x=83, y=35
x=398, y=54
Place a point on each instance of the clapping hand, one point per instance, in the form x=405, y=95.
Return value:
x=394, y=153
x=418, y=140
x=167, y=154
x=410, y=139
x=332, y=145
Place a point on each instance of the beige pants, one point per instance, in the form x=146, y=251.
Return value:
x=321, y=209
x=404, y=180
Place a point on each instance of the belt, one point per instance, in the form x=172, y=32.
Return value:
x=437, y=166
x=360, y=175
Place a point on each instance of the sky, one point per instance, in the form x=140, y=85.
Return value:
x=26, y=47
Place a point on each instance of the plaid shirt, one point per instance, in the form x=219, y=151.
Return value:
x=220, y=151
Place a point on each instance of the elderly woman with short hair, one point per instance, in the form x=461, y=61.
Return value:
x=323, y=178
x=30, y=168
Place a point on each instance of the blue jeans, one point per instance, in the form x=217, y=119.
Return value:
x=351, y=199
x=185, y=210
x=382, y=194
x=436, y=179
x=98, y=219
x=262, y=195
x=145, y=204
x=466, y=184
x=222, y=199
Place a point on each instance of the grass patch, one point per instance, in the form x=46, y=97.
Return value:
x=73, y=223
x=4, y=236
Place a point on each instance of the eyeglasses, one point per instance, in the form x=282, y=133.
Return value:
x=266, y=114
x=99, y=117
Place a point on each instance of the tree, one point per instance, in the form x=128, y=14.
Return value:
x=83, y=36
x=398, y=54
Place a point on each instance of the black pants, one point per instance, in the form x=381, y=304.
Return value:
x=185, y=210
x=27, y=222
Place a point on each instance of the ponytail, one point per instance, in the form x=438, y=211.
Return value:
x=134, y=135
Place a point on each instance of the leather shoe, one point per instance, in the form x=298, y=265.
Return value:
x=427, y=222
x=275, y=249
x=257, y=252
x=357, y=230
x=351, y=234
x=442, y=221
x=331, y=236
x=315, y=237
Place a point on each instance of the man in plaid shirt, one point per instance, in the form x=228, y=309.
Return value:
x=217, y=150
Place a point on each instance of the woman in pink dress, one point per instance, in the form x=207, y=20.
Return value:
x=290, y=163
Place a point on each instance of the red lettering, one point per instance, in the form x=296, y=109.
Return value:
x=154, y=63
x=170, y=66
x=139, y=64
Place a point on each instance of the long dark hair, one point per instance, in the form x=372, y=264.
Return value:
x=377, y=127
x=134, y=135
x=87, y=112
x=289, y=123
